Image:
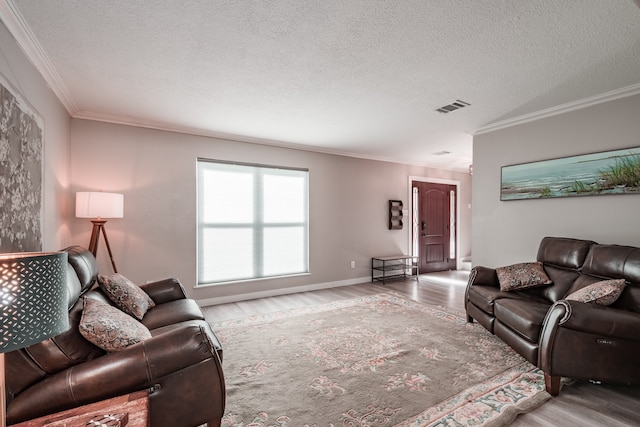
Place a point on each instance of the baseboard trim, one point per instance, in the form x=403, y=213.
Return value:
x=282, y=291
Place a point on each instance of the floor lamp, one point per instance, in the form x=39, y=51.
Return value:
x=33, y=297
x=99, y=205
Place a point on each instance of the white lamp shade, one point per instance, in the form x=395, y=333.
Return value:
x=97, y=204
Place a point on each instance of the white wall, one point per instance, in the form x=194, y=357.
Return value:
x=20, y=73
x=509, y=232
x=156, y=171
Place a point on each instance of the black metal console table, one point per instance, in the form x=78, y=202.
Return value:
x=393, y=267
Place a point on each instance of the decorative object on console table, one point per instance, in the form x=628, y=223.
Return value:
x=99, y=205
x=109, y=420
x=130, y=410
x=395, y=215
x=394, y=267
x=33, y=296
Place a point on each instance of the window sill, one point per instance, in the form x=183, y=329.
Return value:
x=260, y=279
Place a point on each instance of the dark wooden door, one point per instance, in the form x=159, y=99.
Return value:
x=436, y=227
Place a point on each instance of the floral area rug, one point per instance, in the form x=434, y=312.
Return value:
x=379, y=360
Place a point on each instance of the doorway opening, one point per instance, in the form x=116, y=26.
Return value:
x=434, y=219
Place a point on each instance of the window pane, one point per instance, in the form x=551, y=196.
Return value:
x=227, y=197
x=284, y=250
x=226, y=254
x=284, y=199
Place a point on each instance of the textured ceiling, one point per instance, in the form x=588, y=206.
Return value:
x=357, y=77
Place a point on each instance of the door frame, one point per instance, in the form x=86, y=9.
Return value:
x=410, y=199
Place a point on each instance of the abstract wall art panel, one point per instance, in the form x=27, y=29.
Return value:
x=21, y=145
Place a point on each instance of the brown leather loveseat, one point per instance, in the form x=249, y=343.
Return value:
x=560, y=335
x=179, y=365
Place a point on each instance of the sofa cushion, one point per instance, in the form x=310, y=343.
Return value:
x=526, y=348
x=563, y=252
x=172, y=312
x=522, y=316
x=126, y=295
x=109, y=328
x=604, y=292
x=522, y=276
x=483, y=297
x=630, y=298
x=563, y=279
x=486, y=320
x=74, y=287
x=84, y=264
x=614, y=262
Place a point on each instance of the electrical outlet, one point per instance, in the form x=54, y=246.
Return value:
x=353, y=264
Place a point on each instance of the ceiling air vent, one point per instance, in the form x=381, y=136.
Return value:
x=453, y=106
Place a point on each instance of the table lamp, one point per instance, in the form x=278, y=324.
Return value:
x=99, y=205
x=33, y=298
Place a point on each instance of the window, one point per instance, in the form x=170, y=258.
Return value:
x=252, y=221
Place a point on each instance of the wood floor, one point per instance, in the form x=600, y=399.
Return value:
x=579, y=404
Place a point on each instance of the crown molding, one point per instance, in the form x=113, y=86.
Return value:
x=560, y=109
x=104, y=118
x=18, y=27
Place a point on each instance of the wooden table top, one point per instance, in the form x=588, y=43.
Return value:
x=134, y=405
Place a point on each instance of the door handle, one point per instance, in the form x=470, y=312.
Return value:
x=424, y=225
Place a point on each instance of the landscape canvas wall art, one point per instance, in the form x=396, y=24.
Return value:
x=609, y=172
x=20, y=173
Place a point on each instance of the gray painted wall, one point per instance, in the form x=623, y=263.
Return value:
x=25, y=79
x=156, y=171
x=508, y=232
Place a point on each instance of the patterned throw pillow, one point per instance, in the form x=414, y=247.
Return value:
x=125, y=294
x=605, y=292
x=109, y=328
x=522, y=276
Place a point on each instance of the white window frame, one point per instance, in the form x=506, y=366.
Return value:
x=258, y=225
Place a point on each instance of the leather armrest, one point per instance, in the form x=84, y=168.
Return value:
x=483, y=276
x=165, y=290
x=595, y=319
x=134, y=368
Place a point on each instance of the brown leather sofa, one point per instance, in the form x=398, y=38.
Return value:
x=567, y=338
x=180, y=365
